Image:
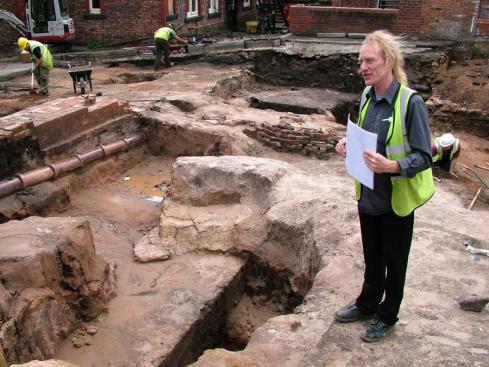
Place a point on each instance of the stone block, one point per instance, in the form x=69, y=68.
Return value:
x=60, y=126
x=51, y=266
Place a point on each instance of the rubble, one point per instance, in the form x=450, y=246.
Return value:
x=52, y=280
x=473, y=302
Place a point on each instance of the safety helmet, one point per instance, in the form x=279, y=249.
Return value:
x=171, y=25
x=447, y=140
x=22, y=43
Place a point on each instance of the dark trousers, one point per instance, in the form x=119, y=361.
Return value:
x=444, y=163
x=386, y=242
x=42, y=78
x=162, y=45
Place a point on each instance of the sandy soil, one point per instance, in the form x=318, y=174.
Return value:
x=466, y=84
x=120, y=212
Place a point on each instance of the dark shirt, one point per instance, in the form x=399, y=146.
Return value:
x=37, y=53
x=444, y=162
x=380, y=109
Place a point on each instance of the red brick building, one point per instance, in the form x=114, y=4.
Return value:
x=445, y=19
x=112, y=21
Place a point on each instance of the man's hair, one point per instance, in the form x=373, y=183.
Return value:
x=390, y=46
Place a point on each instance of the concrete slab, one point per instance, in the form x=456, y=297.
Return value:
x=357, y=35
x=331, y=35
x=14, y=69
x=303, y=101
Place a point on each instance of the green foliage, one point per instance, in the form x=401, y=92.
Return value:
x=94, y=43
x=480, y=50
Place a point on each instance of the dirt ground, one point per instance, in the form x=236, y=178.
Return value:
x=121, y=210
x=465, y=83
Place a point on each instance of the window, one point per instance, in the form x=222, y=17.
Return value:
x=388, y=4
x=63, y=7
x=213, y=6
x=171, y=8
x=94, y=6
x=246, y=3
x=484, y=10
x=42, y=11
x=193, y=8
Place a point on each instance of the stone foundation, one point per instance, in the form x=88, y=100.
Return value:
x=53, y=128
x=285, y=137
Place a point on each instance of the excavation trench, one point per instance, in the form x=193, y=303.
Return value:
x=256, y=290
x=257, y=293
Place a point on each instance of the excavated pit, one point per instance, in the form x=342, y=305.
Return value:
x=256, y=294
x=131, y=78
x=258, y=290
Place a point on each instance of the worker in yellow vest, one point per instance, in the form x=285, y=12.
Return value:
x=445, y=150
x=403, y=181
x=163, y=37
x=42, y=59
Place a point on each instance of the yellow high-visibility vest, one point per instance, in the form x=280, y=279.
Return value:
x=439, y=150
x=47, y=58
x=407, y=193
x=164, y=33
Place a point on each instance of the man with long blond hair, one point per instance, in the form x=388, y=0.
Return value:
x=402, y=182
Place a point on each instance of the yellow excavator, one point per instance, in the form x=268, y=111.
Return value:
x=47, y=21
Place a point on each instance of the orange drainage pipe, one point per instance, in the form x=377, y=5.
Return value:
x=22, y=180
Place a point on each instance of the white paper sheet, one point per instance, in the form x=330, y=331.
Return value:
x=358, y=140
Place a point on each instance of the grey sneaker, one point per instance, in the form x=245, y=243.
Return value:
x=376, y=331
x=352, y=313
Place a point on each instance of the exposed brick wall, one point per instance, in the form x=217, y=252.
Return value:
x=309, y=20
x=356, y=3
x=120, y=20
x=412, y=19
x=482, y=27
x=15, y=6
x=450, y=18
x=447, y=19
x=8, y=36
x=117, y=21
x=287, y=136
x=208, y=21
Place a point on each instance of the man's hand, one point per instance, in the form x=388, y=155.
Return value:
x=341, y=147
x=380, y=164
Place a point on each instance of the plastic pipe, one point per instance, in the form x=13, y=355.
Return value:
x=113, y=148
x=66, y=165
x=135, y=139
x=35, y=176
x=91, y=155
x=9, y=186
x=38, y=175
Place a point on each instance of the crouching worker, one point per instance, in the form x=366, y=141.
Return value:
x=42, y=59
x=445, y=150
x=163, y=36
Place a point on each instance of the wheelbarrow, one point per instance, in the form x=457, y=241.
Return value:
x=81, y=75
